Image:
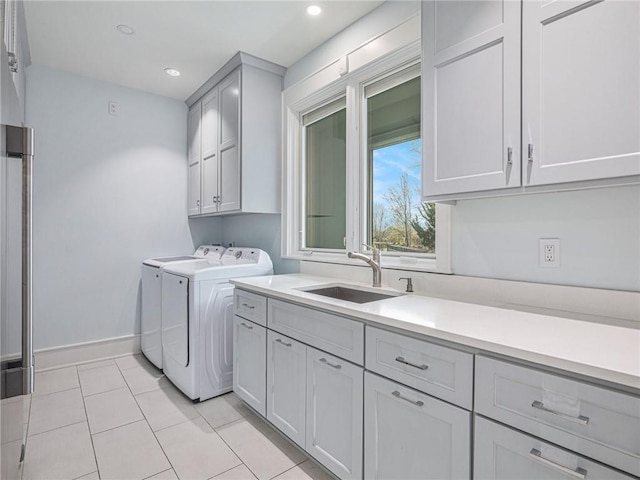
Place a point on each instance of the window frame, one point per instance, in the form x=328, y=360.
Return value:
x=313, y=95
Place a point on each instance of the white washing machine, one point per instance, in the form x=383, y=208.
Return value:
x=197, y=320
x=150, y=314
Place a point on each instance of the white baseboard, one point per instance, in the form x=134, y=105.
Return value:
x=50, y=358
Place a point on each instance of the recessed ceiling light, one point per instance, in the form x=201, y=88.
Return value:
x=125, y=29
x=172, y=72
x=314, y=10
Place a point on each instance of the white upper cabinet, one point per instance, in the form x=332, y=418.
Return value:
x=209, y=126
x=581, y=90
x=575, y=106
x=193, y=159
x=236, y=166
x=471, y=95
x=228, y=146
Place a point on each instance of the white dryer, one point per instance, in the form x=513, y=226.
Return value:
x=150, y=314
x=197, y=320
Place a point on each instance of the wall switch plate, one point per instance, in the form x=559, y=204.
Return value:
x=549, y=253
x=114, y=108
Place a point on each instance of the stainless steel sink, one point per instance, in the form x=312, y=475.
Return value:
x=351, y=294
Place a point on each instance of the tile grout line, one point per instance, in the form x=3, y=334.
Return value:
x=232, y=468
x=84, y=406
x=149, y=425
x=230, y=448
x=106, y=391
x=58, y=428
x=164, y=471
x=57, y=391
x=82, y=476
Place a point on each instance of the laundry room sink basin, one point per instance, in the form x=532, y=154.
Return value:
x=350, y=294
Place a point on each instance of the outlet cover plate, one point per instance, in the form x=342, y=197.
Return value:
x=549, y=253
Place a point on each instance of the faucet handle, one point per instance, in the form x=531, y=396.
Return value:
x=373, y=249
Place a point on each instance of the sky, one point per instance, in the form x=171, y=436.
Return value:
x=389, y=163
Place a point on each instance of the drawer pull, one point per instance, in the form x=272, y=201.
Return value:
x=337, y=367
x=579, y=419
x=250, y=307
x=279, y=340
x=245, y=325
x=397, y=394
x=420, y=367
x=577, y=473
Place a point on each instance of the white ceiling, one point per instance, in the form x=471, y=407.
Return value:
x=195, y=37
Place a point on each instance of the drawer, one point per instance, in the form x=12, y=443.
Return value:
x=594, y=421
x=250, y=306
x=505, y=454
x=439, y=371
x=333, y=334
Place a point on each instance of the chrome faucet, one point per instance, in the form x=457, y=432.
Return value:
x=373, y=262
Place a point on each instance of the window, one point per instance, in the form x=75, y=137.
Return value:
x=353, y=170
x=398, y=220
x=325, y=154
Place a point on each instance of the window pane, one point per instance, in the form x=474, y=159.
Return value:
x=326, y=186
x=398, y=220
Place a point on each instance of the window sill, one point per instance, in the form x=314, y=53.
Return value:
x=412, y=264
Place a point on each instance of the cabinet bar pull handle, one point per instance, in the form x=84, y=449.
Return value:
x=579, y=419
x=337, y=367
x=577, y=473
x=245, y=325
x=279, y=340
x=530, y=152
x=250, y=307
x=397, y=394
x=420, y=367
x=509, y=156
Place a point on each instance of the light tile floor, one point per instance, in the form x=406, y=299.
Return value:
x=122, y=419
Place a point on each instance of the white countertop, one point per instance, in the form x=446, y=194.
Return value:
x=606, y=352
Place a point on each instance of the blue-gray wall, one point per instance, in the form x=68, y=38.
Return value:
x=498, y=238
x=108, y=192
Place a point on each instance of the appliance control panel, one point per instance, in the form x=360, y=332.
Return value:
x=209, y=251
x=236, y=256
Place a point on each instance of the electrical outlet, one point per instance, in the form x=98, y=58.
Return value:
x=114, y=109
x=549, y=253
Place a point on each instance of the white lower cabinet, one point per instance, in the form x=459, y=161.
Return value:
x=334, y=413
x=249, y=363
x=286, y=385
x=362, y=425
x=501, y=453
x=409, y=435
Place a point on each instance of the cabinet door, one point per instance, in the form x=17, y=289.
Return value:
x=286, y=386
x=210, y=158
x=471, y=96
x=581, y=71
x=229, y=143
x=501, y=453
x=334, y=413
x=410, y=435
x=194, y=159
x=249, y=363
